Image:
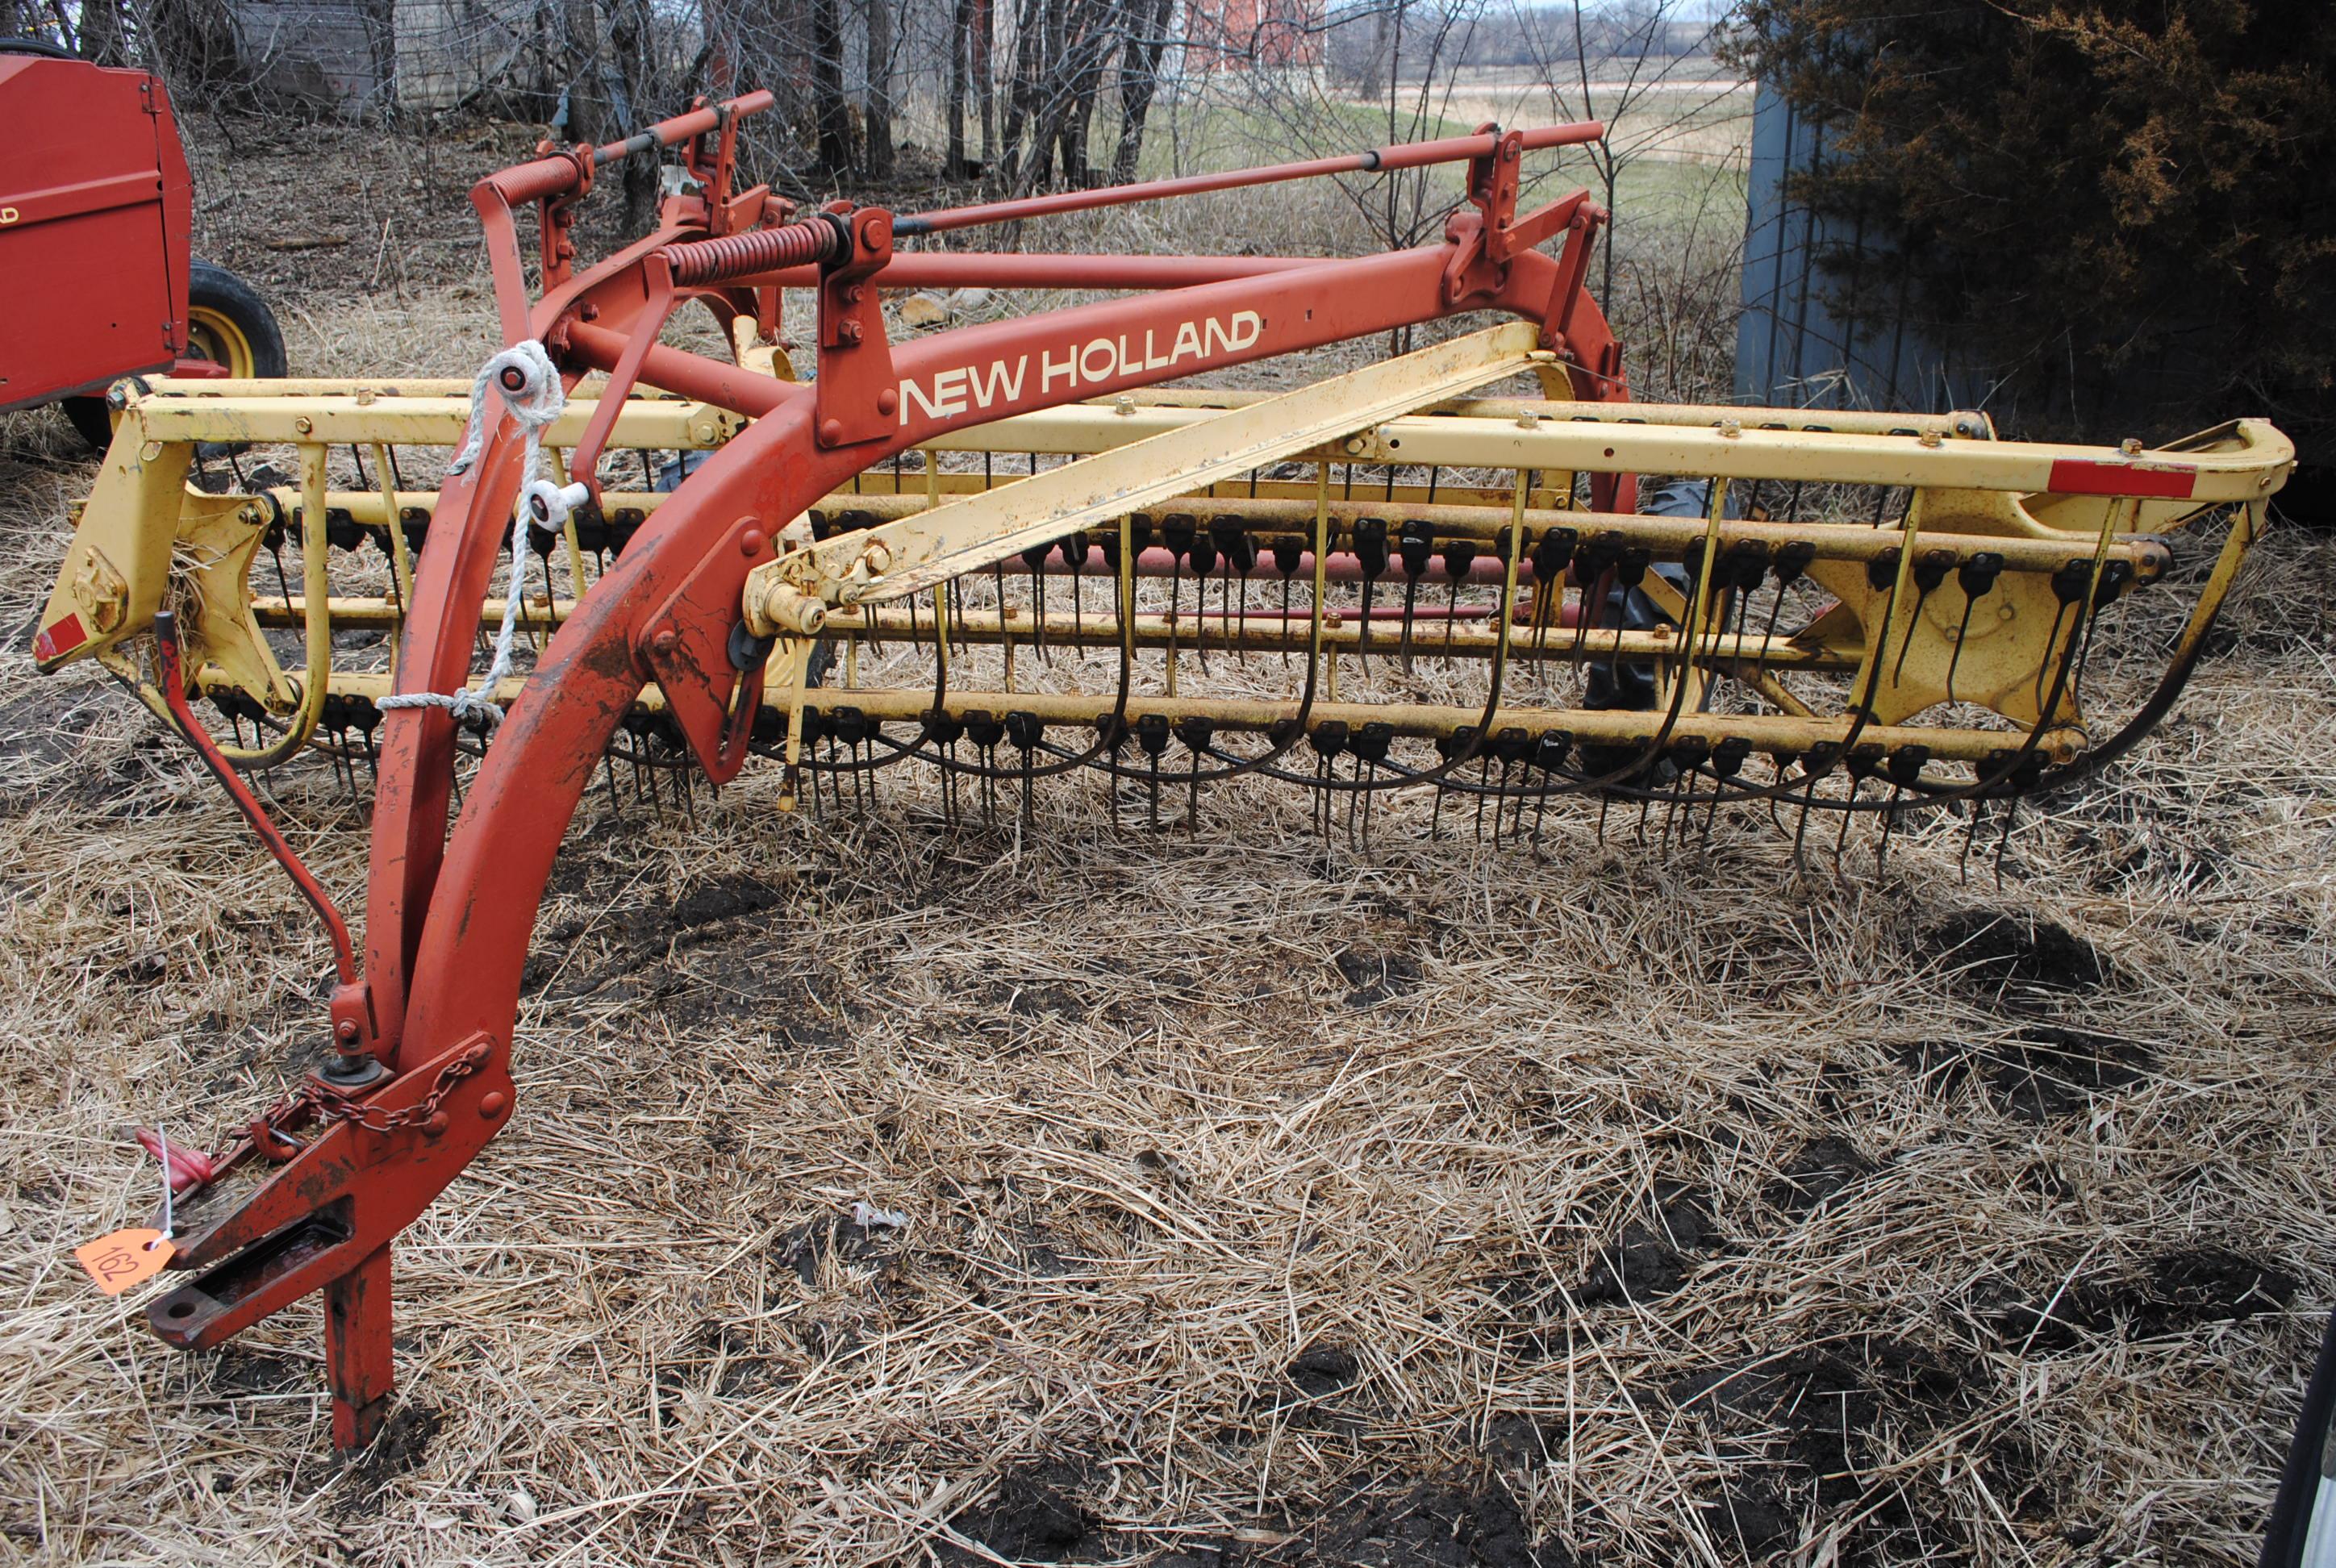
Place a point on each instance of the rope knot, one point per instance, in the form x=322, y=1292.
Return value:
x=527, y=381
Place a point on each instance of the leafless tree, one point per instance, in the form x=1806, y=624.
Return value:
x=1609, y=62
x=1143, y=45
x=876, y=119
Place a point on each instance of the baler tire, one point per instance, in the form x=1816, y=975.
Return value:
x=226, y=309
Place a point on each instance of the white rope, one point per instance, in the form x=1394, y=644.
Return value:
x=535, y=406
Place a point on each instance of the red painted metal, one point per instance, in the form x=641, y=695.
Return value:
x=2091, y=476
x=174, y=697
x=184, y=1168
x=450, y=912
x=1405, y=155
x=95, y=208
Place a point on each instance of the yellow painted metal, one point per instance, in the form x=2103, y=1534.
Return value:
x=1498, y=472
x=915, y=551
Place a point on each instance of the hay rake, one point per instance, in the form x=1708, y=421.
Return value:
x=1036, y=560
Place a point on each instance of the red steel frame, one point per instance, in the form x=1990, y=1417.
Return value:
x=425, y=1079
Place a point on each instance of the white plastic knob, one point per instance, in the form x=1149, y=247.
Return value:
x=551, y=504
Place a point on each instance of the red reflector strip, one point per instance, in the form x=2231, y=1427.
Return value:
x=58, y=640
x=2089, y=476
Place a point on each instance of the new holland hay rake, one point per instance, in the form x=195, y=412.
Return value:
x=1035, y=564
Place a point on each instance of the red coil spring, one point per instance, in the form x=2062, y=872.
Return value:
x=700, y=261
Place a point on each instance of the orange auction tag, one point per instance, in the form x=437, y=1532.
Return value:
x=120, y=1260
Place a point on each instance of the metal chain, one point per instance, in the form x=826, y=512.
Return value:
x=374, y=1119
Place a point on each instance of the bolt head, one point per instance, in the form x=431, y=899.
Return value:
x=493, y=1104
x=513, y=378
x=887, y=402
x=666, y=642
x=437, y=1125
x=752, y=542
x=831, y=431
x=304, y=424
x=345, y=1030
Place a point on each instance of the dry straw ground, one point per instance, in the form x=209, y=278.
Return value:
x=1640, y=1202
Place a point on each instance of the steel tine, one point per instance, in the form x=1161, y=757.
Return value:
x=1175, y=591
x=1971, y=835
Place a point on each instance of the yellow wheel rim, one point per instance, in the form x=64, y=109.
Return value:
x=213, y=336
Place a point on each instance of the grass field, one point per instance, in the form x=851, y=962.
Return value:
x=1640, y=1200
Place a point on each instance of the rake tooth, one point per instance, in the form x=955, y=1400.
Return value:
x=1728, y=760
x=1176, y=532
x=1848, y=815
x=1151, y=735
x=1550, y=554
x=1370, y=745
x=1328, y=739
x=1815, y=762
x=985, y=732
x=1415, y=544
x=1792, y=560
x=1035, y=558
x=2010, y=819
x=1238, y=552
x=1074, y=551
x=1288, y=554
x=1025, y=730
x=1994, y=763
x=1930, y=571
x=1905, y=767
x=1549, y=755
x=1005, y=641
x=1592, y=569
x=1204, y=561
x=1198, y=734
x=1371, y=555
x=1459, y=555
x=1446, y=747
x=1976, y=577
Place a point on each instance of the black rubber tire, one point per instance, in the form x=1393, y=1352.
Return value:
x=21, y=46
x=93, y=419
x=220, y=293
x=2301, y=1482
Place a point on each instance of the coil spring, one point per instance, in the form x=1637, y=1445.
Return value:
x=702, y=261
